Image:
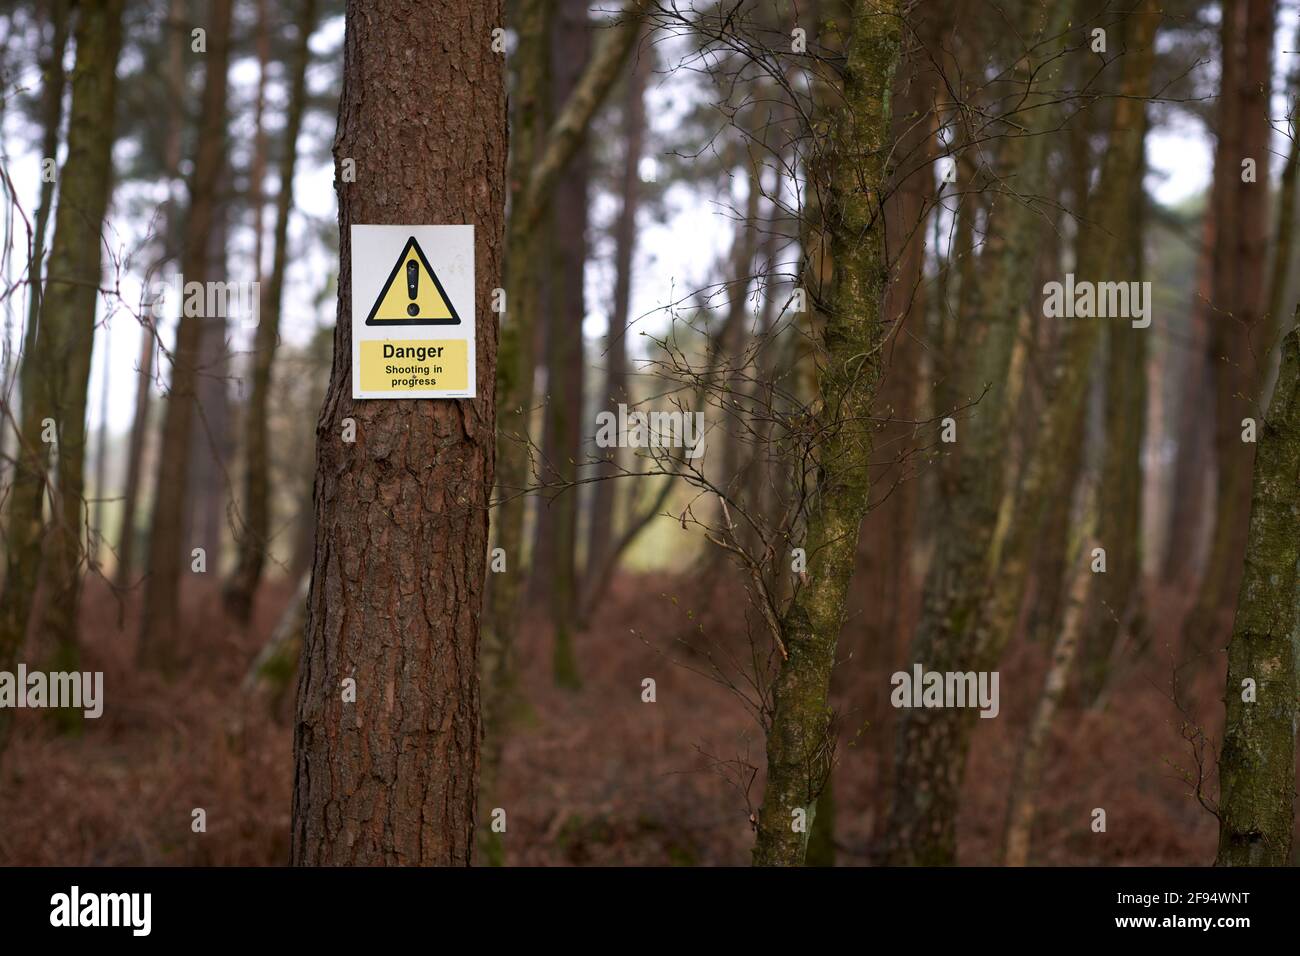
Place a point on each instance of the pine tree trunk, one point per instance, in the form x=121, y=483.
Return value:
x=1028, y=773
x=800, y=742
x=255, y=534
x=1239, y=302
x=135, y=461
x=1114, y=605
x=402, y=514
x=148, y=345
x=27, y=488
x=537, y=160
x=600, y=538
x=931, y=743
x=161, y=620
x=555, y=547
x=970, y=634
x=1257, y=766
x=67, y=334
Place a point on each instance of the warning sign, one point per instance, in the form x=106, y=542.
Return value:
x=413, y=312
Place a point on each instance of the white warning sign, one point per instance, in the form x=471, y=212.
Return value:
x=413, y=312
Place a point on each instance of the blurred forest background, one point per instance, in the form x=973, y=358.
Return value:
x=667, y=259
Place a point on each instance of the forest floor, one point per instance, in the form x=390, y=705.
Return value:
x=596, y=776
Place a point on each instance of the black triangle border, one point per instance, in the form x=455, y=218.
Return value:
x=383, y=289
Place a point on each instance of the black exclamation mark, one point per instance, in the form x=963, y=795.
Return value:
x=412, y=286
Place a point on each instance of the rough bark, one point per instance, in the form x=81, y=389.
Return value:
x=402, y=513
x=1257, y=766
x=800, y=741
x=160, y=633
x=255, y=534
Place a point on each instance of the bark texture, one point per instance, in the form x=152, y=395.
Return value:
x=401, y=514
x=800, y=744
x=1257, y=766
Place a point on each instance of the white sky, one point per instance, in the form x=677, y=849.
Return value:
x=673, y=257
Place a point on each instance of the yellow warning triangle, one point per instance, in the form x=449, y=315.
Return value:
x=413, y=295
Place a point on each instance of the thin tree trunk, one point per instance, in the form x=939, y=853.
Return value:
x=256, y=532
x=1239, y=302
x=1257, y=767
x=53, y=82
x=600, y=538
x=148, y=345
x=930, y=744
x=66, y=342
x=391, y=777
x=1114, y=606
x=161, y=619
x=96, y=529
x=135, y=461
x=26, y=494
x=536, y=163
x=1027, y=777
x=887, y=541
x=555, y=547
x=800, y=744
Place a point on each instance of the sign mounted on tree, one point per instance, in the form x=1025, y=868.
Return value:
x=413, y=312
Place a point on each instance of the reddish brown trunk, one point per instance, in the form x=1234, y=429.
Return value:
x=401, y=514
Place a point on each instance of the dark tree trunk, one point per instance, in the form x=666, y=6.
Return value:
x=161, y=624
x=255, y=534
x=1239, y=301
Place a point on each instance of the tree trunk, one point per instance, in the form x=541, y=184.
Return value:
x=95, y=532
x=1257, y=766
x=600, y=538
x=1239, y=301
x=26, y=494
x=887, y=542
x=67, y=334
x=537, y=160
x=402, y=514
x=256, y=532
x=148, y=345
x=1117, y=593
x=1026, y=778
x=161, y=619
x=930, y=744
x=800, y=745
x=135, y=461
x=555, y=546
